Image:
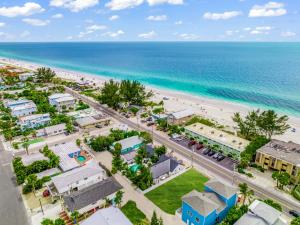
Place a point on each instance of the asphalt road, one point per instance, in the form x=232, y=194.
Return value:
x=12, y=210
x=220, y=171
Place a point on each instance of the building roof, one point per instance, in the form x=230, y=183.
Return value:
x=219, y=136
x=107, y=216
x=287, y=151
x=59, y=95
x=29, y=159
x=49, y=172
x=11, y=103
x=182, y=114
x=162, y=170
x=23, y=106
x=91, y=194
x=33, y=117
x=129, y=142
x=225, y=190
x=84, y=113
x=200, y=202
x=65, y=99
x=64, y=180
x=261, y=213
x=86, y=121
x=53, y=128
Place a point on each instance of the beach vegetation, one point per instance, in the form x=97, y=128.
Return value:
x=44, y=75
x=256, y=123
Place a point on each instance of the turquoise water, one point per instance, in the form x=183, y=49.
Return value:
x=81, y=158
x=134, y=168
x=263, y=75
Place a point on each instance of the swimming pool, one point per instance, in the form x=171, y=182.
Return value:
x=81, y=158
x=134, y=168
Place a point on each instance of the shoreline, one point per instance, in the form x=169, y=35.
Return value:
x=216, y=109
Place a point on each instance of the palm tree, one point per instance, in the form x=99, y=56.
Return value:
x=26, y=145
x=245, y=191
x=75, y=215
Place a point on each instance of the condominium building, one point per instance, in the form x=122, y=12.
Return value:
x=34, y=121
x=22, y=107
x=62, y=101
x=280, y=156
x=228, y=143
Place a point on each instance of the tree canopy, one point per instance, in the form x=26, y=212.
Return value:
x=44, y=75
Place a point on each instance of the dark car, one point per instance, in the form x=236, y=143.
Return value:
x=294, y=213
x=191, y=143
x=215, y=156
x=199, y=146
x=211, y=153
x=220, y=157
x=206, y=151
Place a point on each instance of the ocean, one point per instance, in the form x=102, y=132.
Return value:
x=263, y=75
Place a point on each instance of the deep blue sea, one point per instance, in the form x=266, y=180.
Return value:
x=265, y=75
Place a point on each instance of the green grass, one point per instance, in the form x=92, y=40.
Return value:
x=168, y=196
x=37, y=140
x=136, y=216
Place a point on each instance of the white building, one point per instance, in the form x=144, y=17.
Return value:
x=25, y=76
x=22, y=107
x=33, y=121
x=78, y=178
x=107, y=216
x=180, y=117
x=52, y=130
x=62, y=101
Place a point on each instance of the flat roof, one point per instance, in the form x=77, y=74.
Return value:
x=61, y=126
x=65, y=99
x=34, y=117
x=183, y=113
x=59, y=95
x=31, y=158
x=48, y=172
x=287, y=151
x=219, y=136
x=221, y=188
x=84, y=113
x=129, y=142
x=85, y=121
x=107, y=216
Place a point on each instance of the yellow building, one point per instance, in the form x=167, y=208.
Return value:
x=280, y=156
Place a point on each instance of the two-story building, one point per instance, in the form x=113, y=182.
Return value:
x=62, y=101
x=228, y=143
x=34, y=121
x=280, y=156
x=180, y=117
x=208, y=207
x=22, y=107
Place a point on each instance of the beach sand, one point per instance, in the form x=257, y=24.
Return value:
x=218, y=110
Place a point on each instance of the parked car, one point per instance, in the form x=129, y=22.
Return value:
x=215, y=156
x=206, y=151
x=220, y=157
x=150, y=124
x=191, y=143
x=211, y=153
x=199, y=146
x=294, y=213
x=98, y=126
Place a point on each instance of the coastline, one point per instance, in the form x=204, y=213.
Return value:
x=218, y=110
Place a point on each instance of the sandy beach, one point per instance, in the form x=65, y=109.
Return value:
x=218, y=110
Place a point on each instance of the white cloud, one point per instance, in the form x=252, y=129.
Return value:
x=268, y=10
x=221, y=16
x=84, y=33
x=179, y=22
x=172, y=2
x=2, y=24
x=114, y=17
x=247, y=28
x=74, y=5
x=27, y=9
x=157, y=18
x=288, y=34
x=58, y=16
x=149, y=35
x=263, y=28
x=36, y=22
x=123, y=4
x=114, y=34
x=96, y=27
x=256, y=32
x=25, y=34
x=188, y=36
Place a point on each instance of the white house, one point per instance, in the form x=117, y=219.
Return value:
x=22, y=107
x=52, y=130
x=180, y=117
x=62, y=101
x=33, y=121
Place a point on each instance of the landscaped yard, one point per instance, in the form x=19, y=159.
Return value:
x=136, y=216
x=34, y=141
x=168, y=196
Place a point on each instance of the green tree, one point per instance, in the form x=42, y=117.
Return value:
x=154, y=219
x=296, y=221
x=47, y=221
x=44, y=75
x=282, y=178
x=160, y=150
x=119, y=198
x=275, y=205
x=158, y=110
x=26, y=145
x=75, y=215
x=244, y=190
x=146, y=136
x=32, y=181
x=110, y=94
x=59, y=221
x=78, y=142
x=117, y=161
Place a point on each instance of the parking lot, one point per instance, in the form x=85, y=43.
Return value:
x=226, y=162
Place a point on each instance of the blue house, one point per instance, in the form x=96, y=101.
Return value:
x=130, y=144
x=208, y=207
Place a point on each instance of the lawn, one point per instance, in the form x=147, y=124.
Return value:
x=34, y=141
x=136, y=216
x=168, y=196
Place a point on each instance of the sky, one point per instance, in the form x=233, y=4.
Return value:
x=149, y=20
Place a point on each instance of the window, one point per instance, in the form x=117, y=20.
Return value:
x=197, y=220
x=294, y=171
x=190, y=213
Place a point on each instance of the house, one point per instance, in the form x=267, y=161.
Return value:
x=92, y=197
x=22, y=107
x=260, y=213
x=208, y=207
x=165, y=166
x=180, y=117
x=280, y=156
x=130, y=144
x=91, y=121
x=25, y=76
x=62, y=101
x=52, y=130
x=77, y=179
x=34, y=121
x=107, y=216
x=228, y=143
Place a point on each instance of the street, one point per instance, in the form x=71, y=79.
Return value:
x=220, y=171
x=12, y=210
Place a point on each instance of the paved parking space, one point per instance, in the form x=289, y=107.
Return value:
x=226, y=162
